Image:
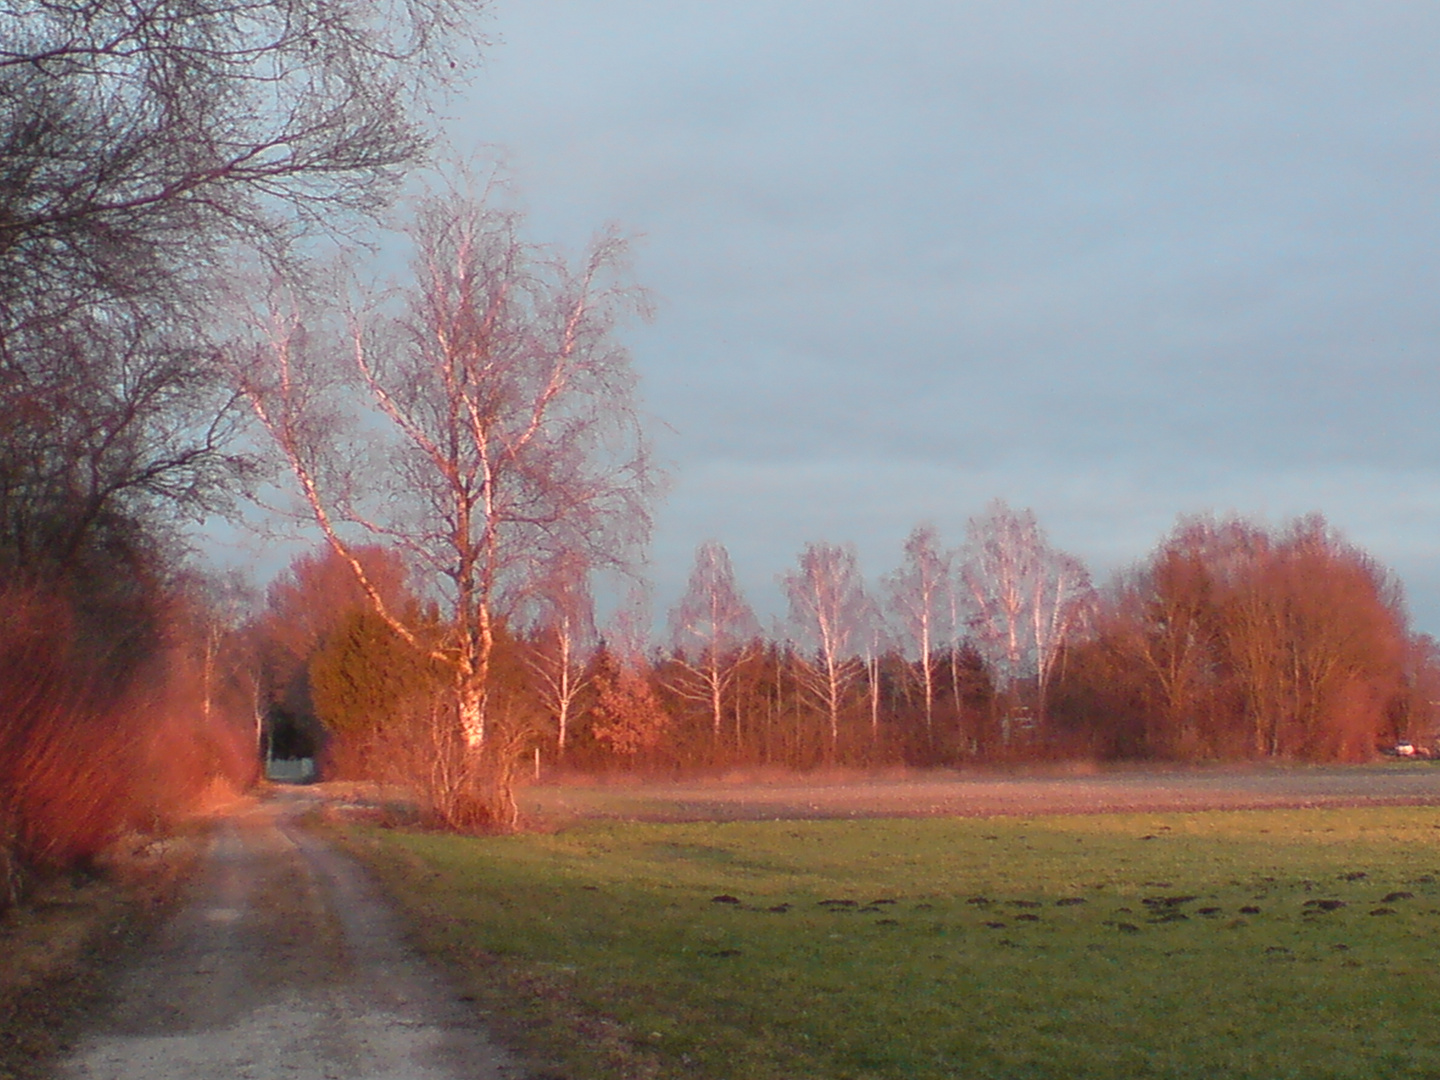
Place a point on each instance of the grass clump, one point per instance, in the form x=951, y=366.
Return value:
x=1256, y=944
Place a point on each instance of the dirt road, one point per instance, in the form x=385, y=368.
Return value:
x=284, y=962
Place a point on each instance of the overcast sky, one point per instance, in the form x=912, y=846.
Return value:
x=1112, y=261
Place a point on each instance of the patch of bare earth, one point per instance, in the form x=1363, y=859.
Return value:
x=985, y=794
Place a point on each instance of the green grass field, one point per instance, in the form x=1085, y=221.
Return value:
x=1259, y=944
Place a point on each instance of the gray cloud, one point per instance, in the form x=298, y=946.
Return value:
x=1117, y=261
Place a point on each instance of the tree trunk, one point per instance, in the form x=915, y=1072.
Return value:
x=470, y=705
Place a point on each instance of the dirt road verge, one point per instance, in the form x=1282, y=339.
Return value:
x=57, y=948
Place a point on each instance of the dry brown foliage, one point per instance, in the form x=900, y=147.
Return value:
x=89, y=753
x=1235, y=641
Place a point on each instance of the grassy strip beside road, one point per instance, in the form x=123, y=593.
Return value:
x=1241, y=944
x=56, y=950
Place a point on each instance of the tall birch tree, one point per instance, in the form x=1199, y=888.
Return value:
x=828, y=614
x=712, y=629
x=919, y=597
x=492, y=433
x=561, y=643
x=1026, y=598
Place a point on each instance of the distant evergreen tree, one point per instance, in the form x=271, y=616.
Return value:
x=627, y=716
x=367, y=684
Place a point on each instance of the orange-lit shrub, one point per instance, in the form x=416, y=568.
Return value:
x=91, y=749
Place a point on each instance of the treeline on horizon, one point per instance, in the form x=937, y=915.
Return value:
x=1232, y=641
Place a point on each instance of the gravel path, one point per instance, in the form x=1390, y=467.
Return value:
x=284, y=962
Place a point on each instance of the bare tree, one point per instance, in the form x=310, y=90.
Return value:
x=1064, y=605
x=712, y=628
x=104, y=434
x=1162, y=622
x=959, y=642
x=1001, y=558
x=139, y=141
x=1315, y=634
x=877, y=640
x=146, y=150
x=213, y=610
x=919, y=597
x=562, y=639
x=828, y=614
x=1026, y=597
x=1236, y=640
x=508, y=440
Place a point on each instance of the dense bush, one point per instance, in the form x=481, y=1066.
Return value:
x=94, y=745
